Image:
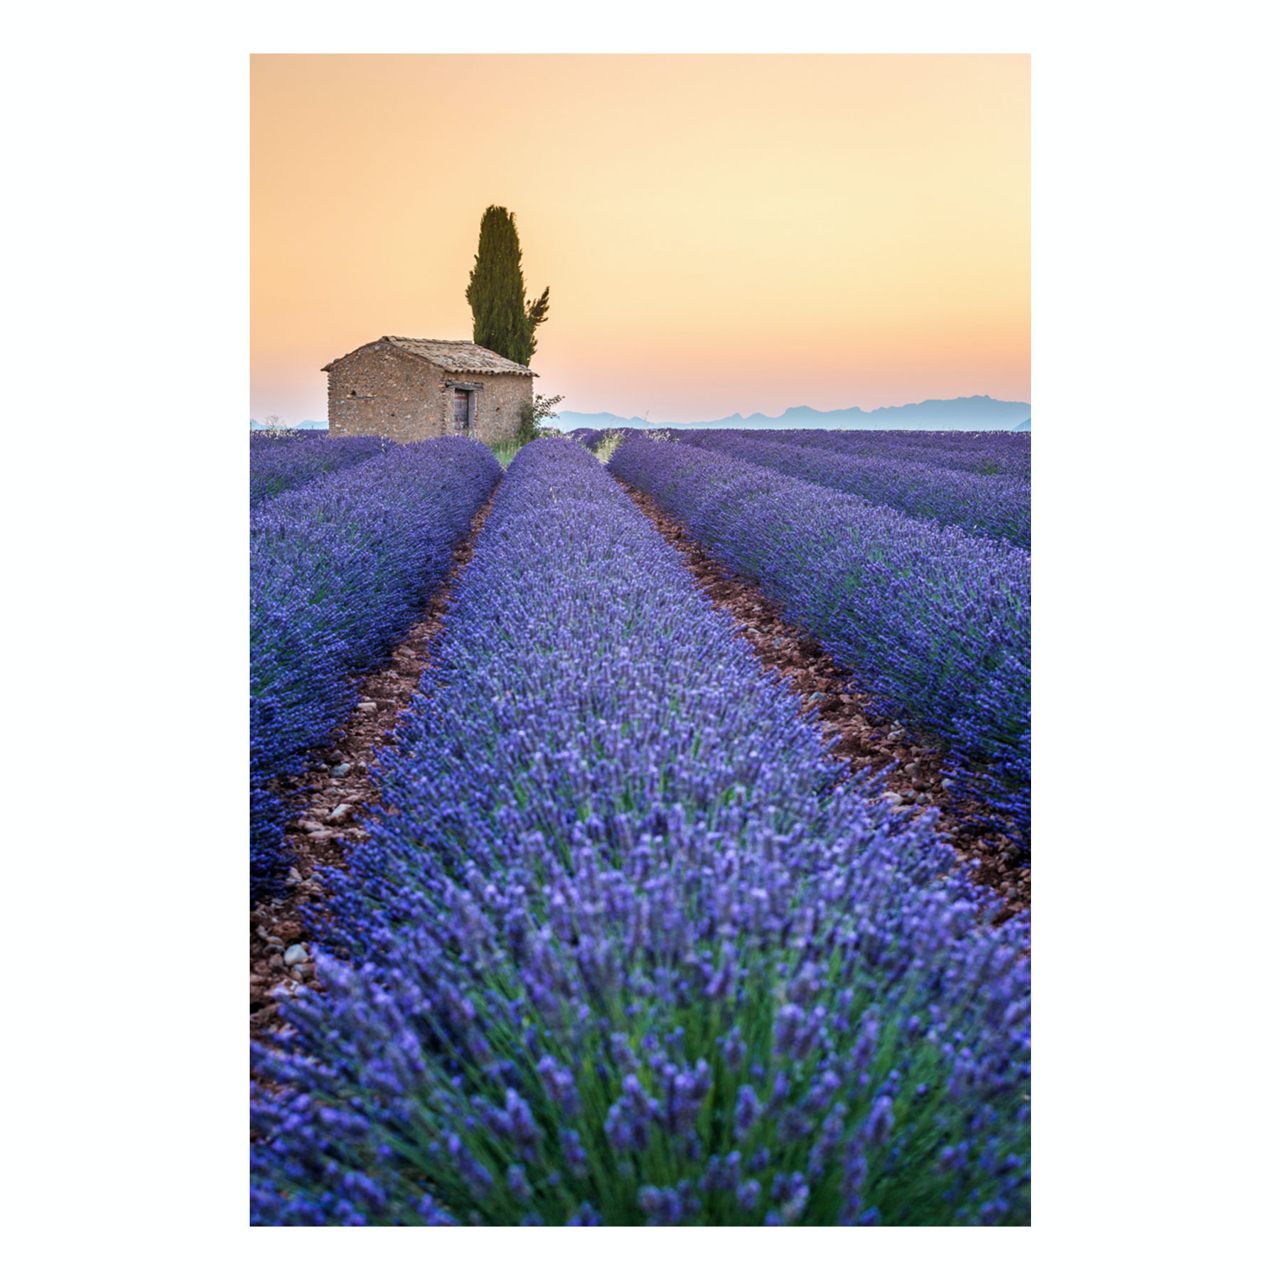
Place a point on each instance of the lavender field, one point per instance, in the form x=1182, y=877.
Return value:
x=622, y=915
x=280, y=462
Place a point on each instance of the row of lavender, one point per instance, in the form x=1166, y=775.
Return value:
x=937, y=624
x=920, y=482
x=625, y=946
x=290, y=462
x=1006, y=453
x=338, y=572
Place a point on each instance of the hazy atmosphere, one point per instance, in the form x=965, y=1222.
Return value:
x=720, y=234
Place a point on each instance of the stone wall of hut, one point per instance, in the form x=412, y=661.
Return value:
x=380, y=391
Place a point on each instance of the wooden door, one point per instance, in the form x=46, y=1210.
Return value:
x=462, y=412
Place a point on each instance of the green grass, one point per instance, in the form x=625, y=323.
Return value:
x=505, y=452
x=607, y=445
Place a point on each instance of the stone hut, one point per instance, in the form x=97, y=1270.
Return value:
x=417, y=388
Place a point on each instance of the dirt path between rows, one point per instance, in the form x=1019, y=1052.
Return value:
x=331, y=800
x=866, y=742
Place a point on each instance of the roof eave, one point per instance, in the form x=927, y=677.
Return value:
x=516, y=370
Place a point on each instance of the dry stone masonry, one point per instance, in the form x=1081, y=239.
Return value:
x=417, y=388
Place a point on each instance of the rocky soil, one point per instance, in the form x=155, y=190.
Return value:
x=915, y=780
x=330, y=802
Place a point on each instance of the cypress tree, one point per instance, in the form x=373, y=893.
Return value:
x=501, y=318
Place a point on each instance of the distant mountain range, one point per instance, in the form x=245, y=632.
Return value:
x=965, y=413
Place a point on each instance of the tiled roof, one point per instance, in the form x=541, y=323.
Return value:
x=454, y=357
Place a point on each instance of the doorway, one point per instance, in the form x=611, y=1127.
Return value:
x=463, y=411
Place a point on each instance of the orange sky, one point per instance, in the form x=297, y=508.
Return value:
x=720, y=233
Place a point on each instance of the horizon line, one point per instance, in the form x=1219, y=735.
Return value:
x=757, y=413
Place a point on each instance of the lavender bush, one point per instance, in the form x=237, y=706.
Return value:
x=339, y=571
x=994, y=506
x=277, y=466
x=626, y=946
x=935, y=623
x=1004, y=453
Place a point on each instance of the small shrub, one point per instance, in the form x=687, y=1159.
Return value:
x=533, y=415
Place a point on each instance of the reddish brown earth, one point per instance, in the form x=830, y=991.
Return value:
x=331, y=800
x=866, y=742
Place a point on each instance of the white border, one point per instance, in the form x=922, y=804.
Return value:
x=128, y=358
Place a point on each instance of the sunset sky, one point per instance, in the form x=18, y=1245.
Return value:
x=720, y=233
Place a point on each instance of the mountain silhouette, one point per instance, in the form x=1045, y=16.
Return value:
x=964, y=413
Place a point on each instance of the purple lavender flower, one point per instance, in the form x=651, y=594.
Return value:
x=734, y=1049
x=434, y=1216
x=629, y=1119
x=518, y=1183
x=574, y=1155
x=662, y=1205
x=791, y=1194
x=786, y=1029
x=868, y=1038
x=746, y=1112
x=560, y=1085
x=880, y=1121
